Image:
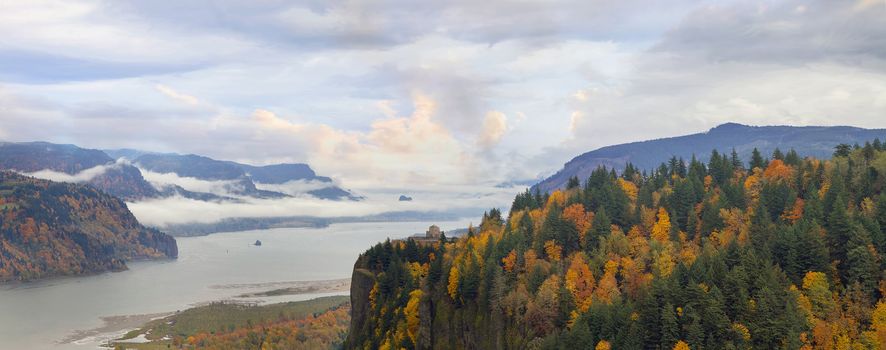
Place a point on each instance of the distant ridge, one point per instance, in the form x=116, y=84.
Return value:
x=817, y=141
x=117, y=172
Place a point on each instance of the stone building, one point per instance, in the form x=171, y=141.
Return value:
x=433, y=232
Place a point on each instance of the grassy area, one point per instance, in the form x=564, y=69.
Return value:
x=222, y=317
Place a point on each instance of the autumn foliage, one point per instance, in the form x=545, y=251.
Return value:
x=49, y=228
x=691, y=255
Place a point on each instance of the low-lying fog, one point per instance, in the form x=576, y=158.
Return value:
x=172, y=210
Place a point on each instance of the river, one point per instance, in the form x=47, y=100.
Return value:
x=54, y=313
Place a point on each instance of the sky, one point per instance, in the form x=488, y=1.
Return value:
x=429, y=94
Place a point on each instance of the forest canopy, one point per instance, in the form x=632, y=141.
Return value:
x=782, y=252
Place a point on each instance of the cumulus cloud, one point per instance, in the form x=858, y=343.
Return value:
x=494, y=127
x=414, y=149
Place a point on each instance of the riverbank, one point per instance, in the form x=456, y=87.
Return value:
x=235, y=323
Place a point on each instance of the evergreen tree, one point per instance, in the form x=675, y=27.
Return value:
x=842, y=150
x=670, y=329
x=777, y=154
x=736, y=161
x=757, y=160
x=861, y=264
x=839, y=231
x=573, y=183
x=599, y=228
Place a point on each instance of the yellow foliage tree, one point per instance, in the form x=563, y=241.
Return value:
x=878, y=323
x=603, y=345
x=580, y=282
x=681, y=345
x=607, y=289
x=817, y=289
x=663, y=262
x=661, y=231
x=411, y=313
x=753, y=184
x=629, y=189
x=452, y=288
x=553, y=250
x=556, y=198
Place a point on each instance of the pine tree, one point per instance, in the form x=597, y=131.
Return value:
x=777, y=154
x=839, y=231
x=842, y=150
x=670, y=329
x=573, y=183
x=861, y=264
x=599, y=228
x=736, y=161
x=792, y=158
x=757, y=160
x=881, y=219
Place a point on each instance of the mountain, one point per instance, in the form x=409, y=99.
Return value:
x=787, y=255
x=281, y=173
x=51, y=228
x=117, y=173
x=243, y=178
x=816, y=141
x=83, y=165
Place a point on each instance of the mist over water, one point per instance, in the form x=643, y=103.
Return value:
x=39, y=315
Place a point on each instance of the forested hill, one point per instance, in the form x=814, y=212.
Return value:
x=121, y=180
x=815, y=141
x=50, y=228
x=786, y=253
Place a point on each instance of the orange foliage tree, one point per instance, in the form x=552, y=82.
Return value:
x=580, y=282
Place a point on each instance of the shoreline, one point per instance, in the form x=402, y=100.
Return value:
x=115, y=327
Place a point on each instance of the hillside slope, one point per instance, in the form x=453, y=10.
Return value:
x=787, y=255
x=119, y=179
x=815, y=141
x=50, y=228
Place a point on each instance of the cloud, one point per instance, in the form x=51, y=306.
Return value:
x=401, y=149
x=84, y=175
x=161, y=181
x=782, y=32
x=175, y=95
x=762, y=63
x=494, y=127
x=178, y=210
x=408, y=92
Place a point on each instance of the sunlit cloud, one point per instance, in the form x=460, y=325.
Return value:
x=175, y=95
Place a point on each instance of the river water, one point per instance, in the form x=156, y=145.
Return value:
x=51, y=314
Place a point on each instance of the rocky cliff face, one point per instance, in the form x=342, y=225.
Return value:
x=50, y=228
x=362, y=281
